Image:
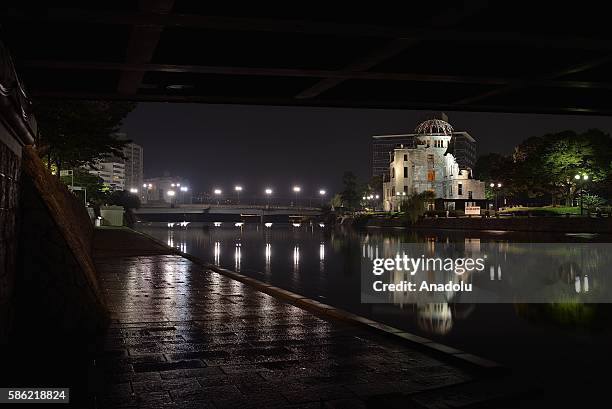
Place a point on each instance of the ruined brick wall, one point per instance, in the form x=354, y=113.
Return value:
x=10, y=162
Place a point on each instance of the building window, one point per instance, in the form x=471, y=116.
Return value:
x=431, y=175
x=392, y=173
x=430, y=161
x=405, y=157
x=450, y=191
x=405, y=171
x=405, y=189
x=393, y=192
x=469, y=194
x=459, y=189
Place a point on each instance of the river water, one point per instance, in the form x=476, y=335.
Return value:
x=324, y=264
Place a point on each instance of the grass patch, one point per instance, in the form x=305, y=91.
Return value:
x=542, y=211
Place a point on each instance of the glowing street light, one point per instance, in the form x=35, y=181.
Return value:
x=133, y=190
x=217, y=193
x=296, y=190
x=498, y=185
x=585, y=177
x=268, y=194
x=322, y=193
x=184, y=188
x=144, y=185
x=238, y=189
x=171, y=193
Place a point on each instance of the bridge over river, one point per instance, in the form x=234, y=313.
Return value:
x=227, y=213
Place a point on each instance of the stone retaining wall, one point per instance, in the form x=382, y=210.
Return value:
x=527, y=224
x=56, y=290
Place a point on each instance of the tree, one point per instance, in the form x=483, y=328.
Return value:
x=79, y=133
x=123, y=198
x=592, y=201
x=336, y=201
x=350, y=194
x=414, y=207
x=97, y=192
x=549, y=163
x=493, y=167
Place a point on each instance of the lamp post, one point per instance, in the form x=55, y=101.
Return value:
x=322, y=194
x=238, y=189
x=296, y=190
x=217, y=193
x=496, y=187
x=171, y=194
x=581, y=180
x=268, y=194
x=183, y=189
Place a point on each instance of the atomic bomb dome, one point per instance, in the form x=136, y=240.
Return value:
x=434, y=127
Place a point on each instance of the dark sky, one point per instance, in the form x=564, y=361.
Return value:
x=259, y=146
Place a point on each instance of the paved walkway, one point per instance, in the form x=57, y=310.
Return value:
x=186, y=337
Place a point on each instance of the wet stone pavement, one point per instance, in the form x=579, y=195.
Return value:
x=183, y=336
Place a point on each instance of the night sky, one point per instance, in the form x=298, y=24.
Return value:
x=259, y=146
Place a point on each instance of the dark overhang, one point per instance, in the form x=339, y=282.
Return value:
x=471, y=55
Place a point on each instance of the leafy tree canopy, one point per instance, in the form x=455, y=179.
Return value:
x=79, y=133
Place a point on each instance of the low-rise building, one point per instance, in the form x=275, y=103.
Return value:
x=429, y=164
x=166, y=189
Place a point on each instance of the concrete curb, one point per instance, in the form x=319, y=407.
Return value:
x=328, y=311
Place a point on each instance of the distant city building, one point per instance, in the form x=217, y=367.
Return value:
x=166, y=189
x=111, y=172
x=133, y=166
x=382, y=146
x=464, y=147
x=122, y=173
x=429, y=164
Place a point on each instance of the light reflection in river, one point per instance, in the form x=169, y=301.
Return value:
x=324, y=264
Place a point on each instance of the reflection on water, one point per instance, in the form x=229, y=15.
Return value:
x=325, y=264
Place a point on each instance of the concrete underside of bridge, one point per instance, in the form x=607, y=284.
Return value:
x=466, y=56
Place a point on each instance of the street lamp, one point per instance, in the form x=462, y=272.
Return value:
x=217, y=193
x=134, y=190
x=296, y=190
x=322, y=193
x=183, y=189
x=581, y=180
x=268, y=194
x=238, y=189
x=171, y=194
x=146, y=190
x=493, y=186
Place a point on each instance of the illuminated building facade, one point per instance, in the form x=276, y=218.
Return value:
x=429, y=164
